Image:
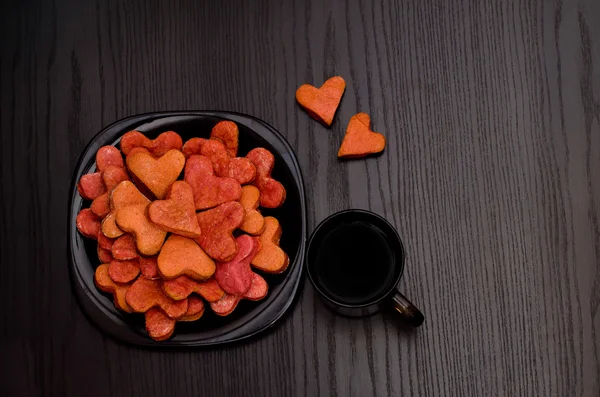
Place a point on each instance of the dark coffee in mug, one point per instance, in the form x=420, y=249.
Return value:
x=355, y=260
x=355, y=263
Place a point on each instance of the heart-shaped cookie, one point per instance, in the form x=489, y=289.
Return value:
x=195, y=309
x=177, y=214
x=227, y=304
x=209, y=190
x=227, y=132
x=182, y=286
x=360, y=141
x=149, y=238
x=106, y=284
x=156, y=174
x=271, y=258
x=126, y=193
x=157, y=147
x=182, y=256
x=272, y=192
x=238, y=168
x=217, y=227
x=235, y=276
x=145, y=294
x=321, y=103
x=254, y=222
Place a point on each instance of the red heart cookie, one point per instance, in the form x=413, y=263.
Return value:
x=360, y=141
x=195, y=309
x=149, y=267
x=108, y=156
x=227, y=304
x=157, y=147
x=209, y=190
x=111, y=177
x=123, y=248
x=217, y=227
x=158, y=325
x=193, y=146
x=88, y=223
x=91, y=186
x=228, y=133
x=104, y=255
x=238, y=168
x=123, y=272
x=235, y=276
x=321, y=103
x=272, y=192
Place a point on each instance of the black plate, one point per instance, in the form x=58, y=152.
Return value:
x=249, y=318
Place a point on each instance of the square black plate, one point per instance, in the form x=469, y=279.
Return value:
x=249, y=318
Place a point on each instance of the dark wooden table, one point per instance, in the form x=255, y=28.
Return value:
x=491, y=175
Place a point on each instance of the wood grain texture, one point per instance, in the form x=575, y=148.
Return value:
x=491, y=175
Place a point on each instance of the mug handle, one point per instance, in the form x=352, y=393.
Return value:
x=407, y=310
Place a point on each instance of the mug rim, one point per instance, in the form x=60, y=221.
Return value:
x=393, y=286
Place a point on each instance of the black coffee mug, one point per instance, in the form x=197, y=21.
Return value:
x=355, y=259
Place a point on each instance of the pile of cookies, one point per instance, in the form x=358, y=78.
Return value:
x=178, y=224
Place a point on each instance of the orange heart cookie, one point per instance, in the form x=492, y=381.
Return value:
x=156, y=174
x=271, y=258
x=228, y=133
x=182, y=256
x=181, y=287
x=321, y=103
x=254, y=222
x=124, y=194
x=109, y=226
x=105, y=242
x=360, y=141
x=176, y=214
x=149, y=238
x=145, y=294
x=106, y=284
x=217, y=227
